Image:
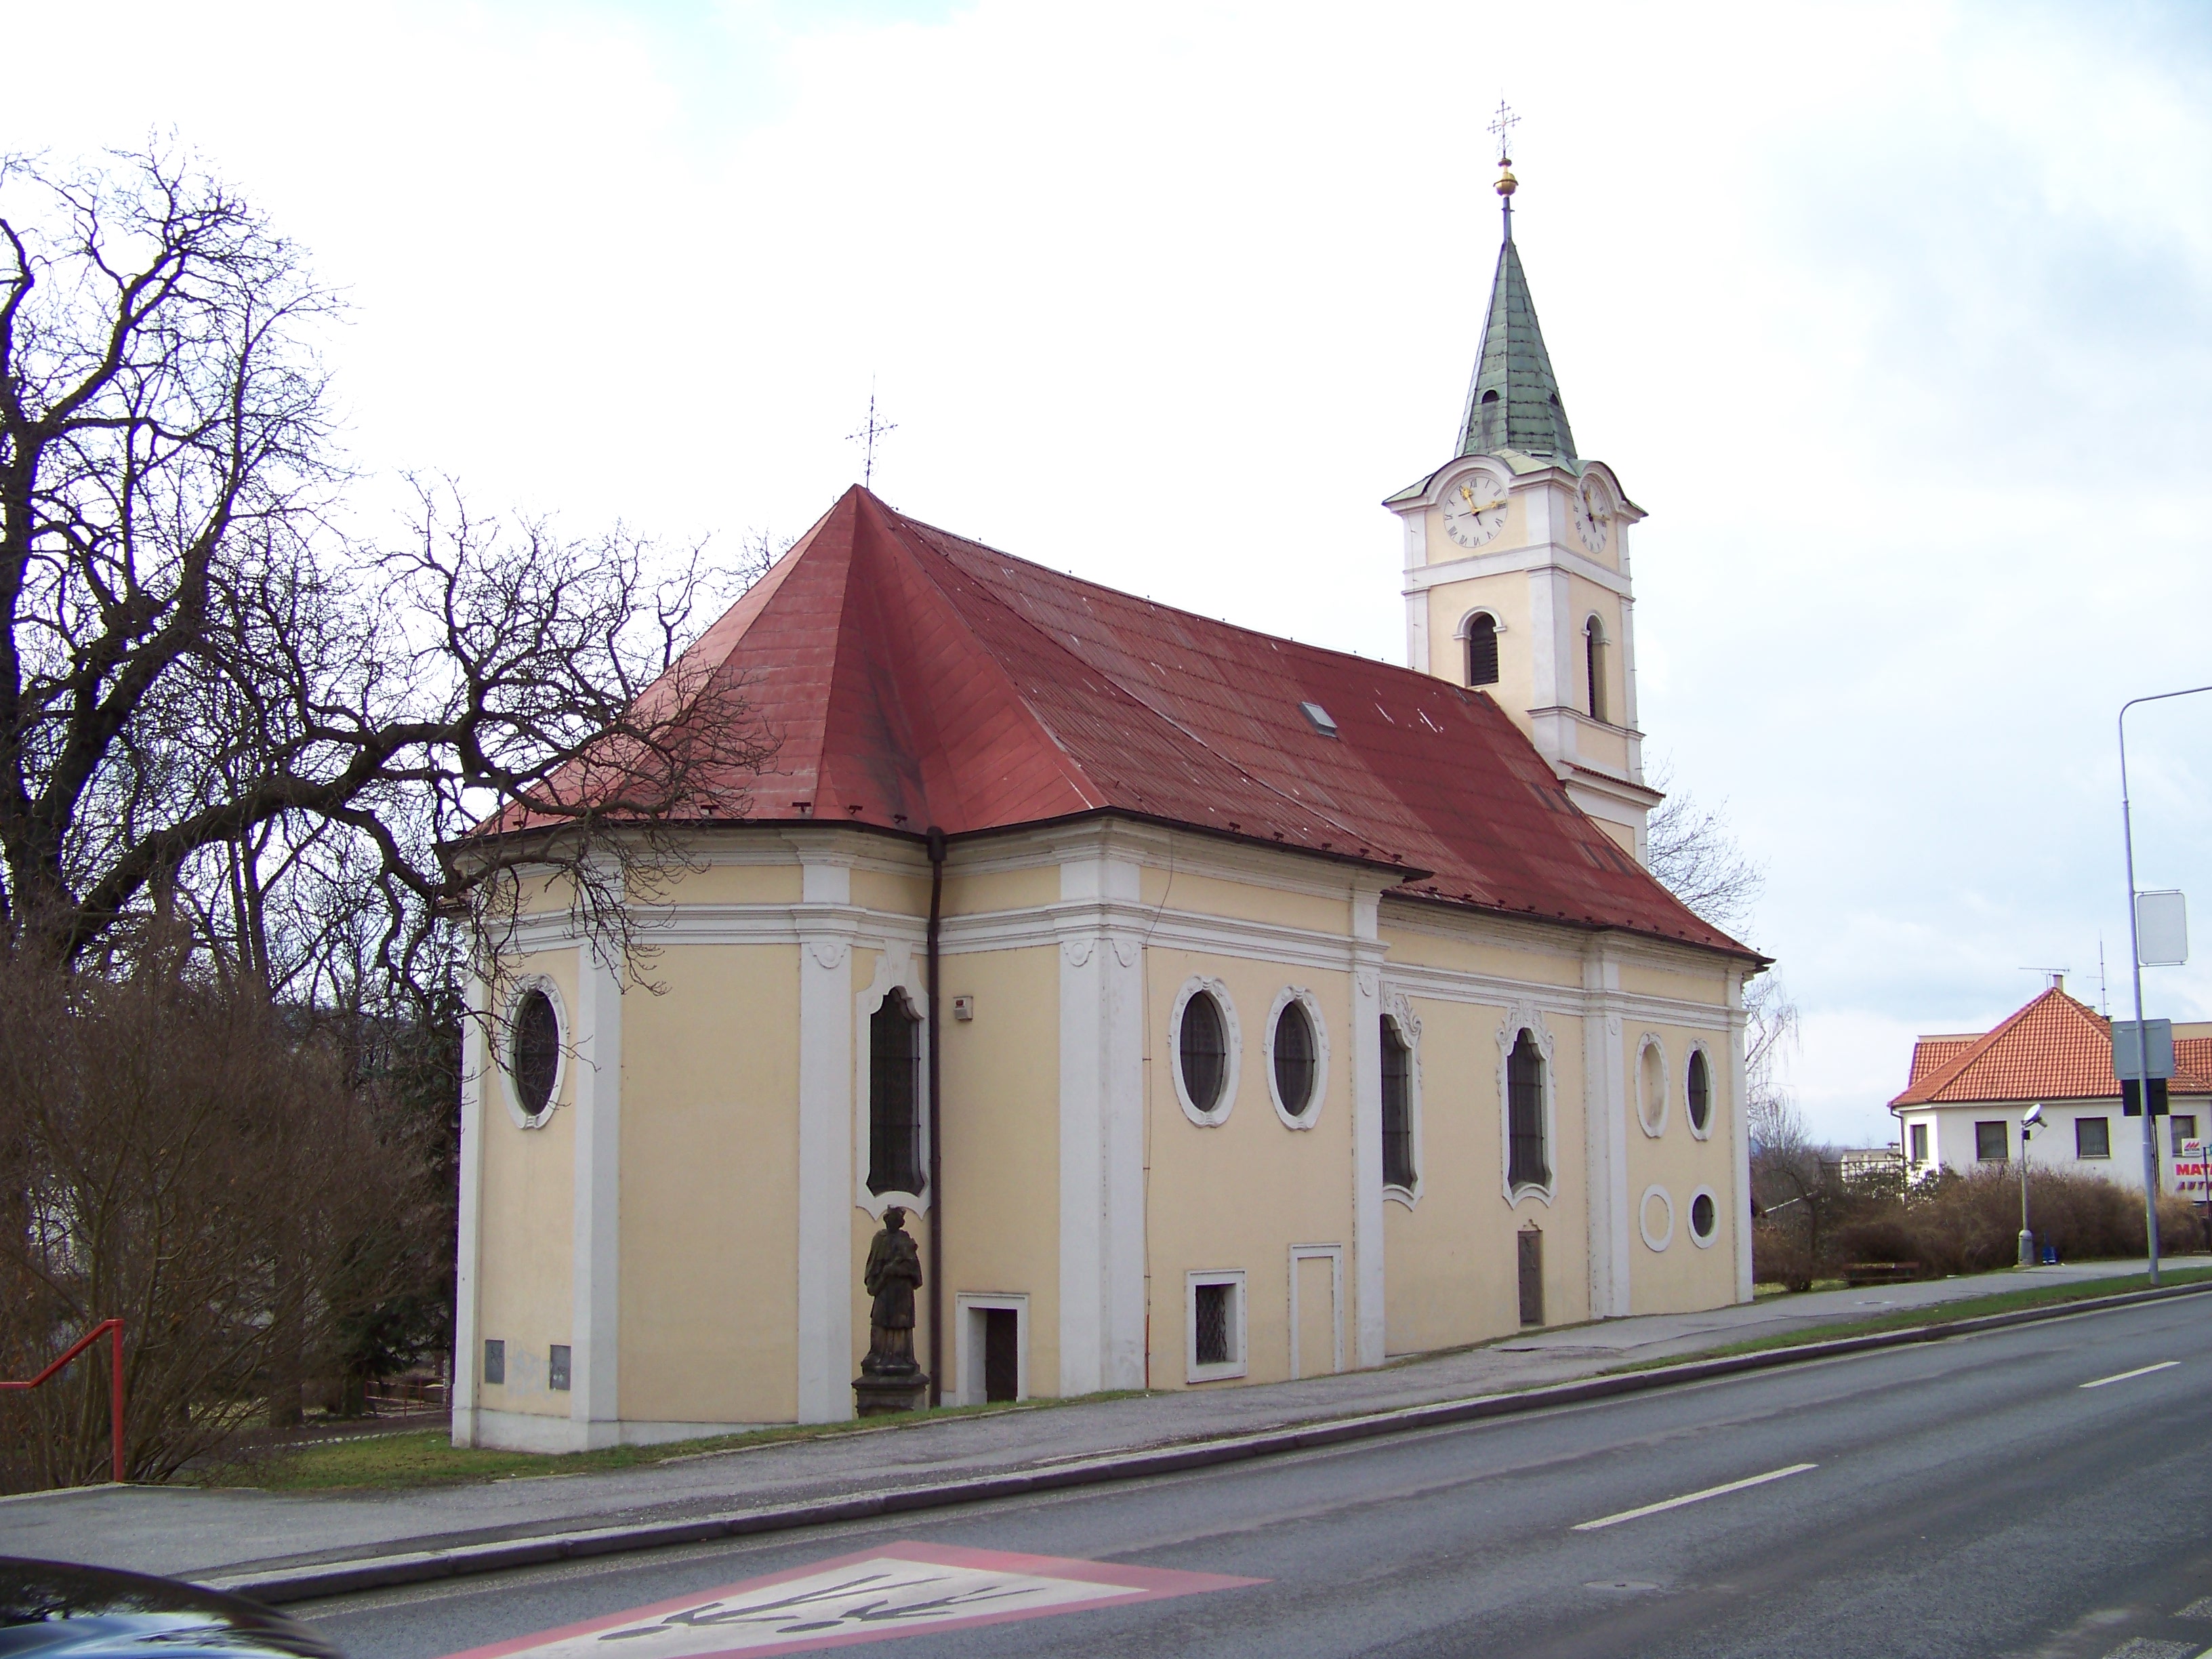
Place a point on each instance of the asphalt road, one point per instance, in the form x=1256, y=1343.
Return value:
x=1991, y=1495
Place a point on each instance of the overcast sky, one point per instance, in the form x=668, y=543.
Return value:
x=1897, y=319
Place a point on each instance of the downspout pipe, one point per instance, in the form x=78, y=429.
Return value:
x=936, y=1137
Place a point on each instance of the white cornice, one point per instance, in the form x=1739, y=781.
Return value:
x=1530, y=556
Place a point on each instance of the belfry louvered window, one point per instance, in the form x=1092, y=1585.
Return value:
x=1482, y=649
x=893, y=1097
x=1397, y=1108
x=1594, y=666
x=1528, y=1163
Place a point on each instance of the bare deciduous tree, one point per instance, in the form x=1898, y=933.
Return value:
x=198, y=673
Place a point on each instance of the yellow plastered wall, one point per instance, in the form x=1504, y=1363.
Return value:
x=1180, y=891
x=710, y=1225
x=1239, y=1193
x=1451, y=1262
x=1682, y=1277
x=1506, y=596
x=735, y=884
x=526, y=1219
x=1001, y=1123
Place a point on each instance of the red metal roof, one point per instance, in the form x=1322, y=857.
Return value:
x=2055, y=1048
x=913, y=678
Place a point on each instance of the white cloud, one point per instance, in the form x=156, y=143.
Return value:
x=1893, y=317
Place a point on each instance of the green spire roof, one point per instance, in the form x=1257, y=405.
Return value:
x=1514, y=403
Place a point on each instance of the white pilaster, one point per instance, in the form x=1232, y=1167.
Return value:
x=468, y=1351
x=1740, y=1127
x=1367, y=1251
x=1605, y=1116
x=595, y=1323
x=1102, y=1150
x=1549, y=684
x=825, y=1146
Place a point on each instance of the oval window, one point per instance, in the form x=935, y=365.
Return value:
x=1204, y=1051
x=534, y=1056
x=1699, y=1088
x=1702, y=1215
x=1294, y=1058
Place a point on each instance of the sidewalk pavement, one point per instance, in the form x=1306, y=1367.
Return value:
x=201, y=1533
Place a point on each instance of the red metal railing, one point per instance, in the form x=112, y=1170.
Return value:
x=105, y=1327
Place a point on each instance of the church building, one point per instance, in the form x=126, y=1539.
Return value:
x=1219, y=1009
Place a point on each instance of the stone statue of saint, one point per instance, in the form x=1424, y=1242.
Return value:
x=893, y=1275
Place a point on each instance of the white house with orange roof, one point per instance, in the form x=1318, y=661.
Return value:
x=1969, y=1091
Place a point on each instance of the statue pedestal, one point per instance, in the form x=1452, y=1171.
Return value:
x=876, y=1393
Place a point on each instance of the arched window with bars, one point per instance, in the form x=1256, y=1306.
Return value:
x=1528, y=1160
x=895, y=1098
x=1482, y=649
x=1594, y=666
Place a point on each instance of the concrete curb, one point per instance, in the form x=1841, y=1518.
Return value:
x=420, y=1566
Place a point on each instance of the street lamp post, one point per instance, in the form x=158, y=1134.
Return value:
x=2029, y=1121
x=2135, y=968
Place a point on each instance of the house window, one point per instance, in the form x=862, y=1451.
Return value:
x=1397, y=1108
x=1202, y=1056
x=1526, y=1162
x=495, y=1365
x=1296, y=1058
x=2093, y=1137
x=556, y=1367
x=894, y=1117
x=1482, y=649
x=2181, y=1126
x=1213, y=1326
x=1919, y=1143
x=1594, y=666
x=1698, y=1087
x=534, y=1053
x=1992, y=1142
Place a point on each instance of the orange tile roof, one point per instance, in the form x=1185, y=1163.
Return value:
x=2055, y=1048
x=1932, y=1052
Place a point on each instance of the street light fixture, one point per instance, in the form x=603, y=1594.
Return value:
x=2029, y=1123
x=2135, y=966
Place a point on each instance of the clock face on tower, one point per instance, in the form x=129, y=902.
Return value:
x=1593, y=515
x=1475, y=509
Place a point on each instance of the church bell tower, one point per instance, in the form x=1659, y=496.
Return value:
x=1516, y=577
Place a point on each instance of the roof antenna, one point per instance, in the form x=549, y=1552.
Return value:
x=2104, y=1002
x=868, y=434
x=2058, y=976
x=1507, y=183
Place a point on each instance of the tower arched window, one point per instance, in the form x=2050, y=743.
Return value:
x=1482, y=649
x=895, y=1098
x=1489, y=411
x=1593, y=666
x=1528, y=1162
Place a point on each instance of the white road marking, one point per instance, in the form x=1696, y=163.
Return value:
x=1693, y=1497
x=2140, y=1371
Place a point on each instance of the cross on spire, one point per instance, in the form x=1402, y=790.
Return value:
x=866, y=435
x=1503, y=126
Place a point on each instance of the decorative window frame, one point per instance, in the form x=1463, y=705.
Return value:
x=898, y=967
x=1238, y=1364
x=1699, y=1046
x=1643, y=1217
x=1306, y=1000
x=502, y=1036
x=1466, y=623
x=969, y=1356
x=1706, y=1241
x=1652, y=1040
x=1525, y=1017
x=1465, y=635
x=1234, y=1041
x=1398, y=1009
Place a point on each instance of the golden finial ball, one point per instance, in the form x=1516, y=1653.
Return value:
x=1507, y=183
